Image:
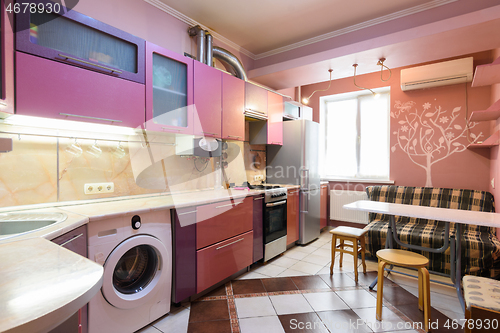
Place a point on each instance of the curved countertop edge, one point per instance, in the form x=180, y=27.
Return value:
x=33, y=311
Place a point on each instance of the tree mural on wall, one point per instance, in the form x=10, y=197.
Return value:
x=428, y=136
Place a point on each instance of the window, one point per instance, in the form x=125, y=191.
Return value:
x=354, y=136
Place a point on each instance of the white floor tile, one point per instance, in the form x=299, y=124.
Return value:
x=295, y=255
x=326, y=270
x=288, y=304
x=390, y=321
x=305, y=249
x=251, y=275
x=315, y=259
x=176, y=321
x=291, y=272
x=452, y=315
x=270, y=324
x=307, y=267
x=359, y=298
x=325, y=301
x=151, y=329
x=284, y=261
x=254, y=307
x=269, y=270
x=323, y=252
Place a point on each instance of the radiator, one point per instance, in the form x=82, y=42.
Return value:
x=340, y=198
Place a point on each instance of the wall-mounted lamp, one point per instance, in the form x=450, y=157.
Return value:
x=381, y=64
x=305, y=100
x=374, y=94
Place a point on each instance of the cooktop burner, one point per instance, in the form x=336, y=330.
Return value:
x=262, y=187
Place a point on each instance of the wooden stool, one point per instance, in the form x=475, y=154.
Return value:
x=482, y=302
x=406, y=259
x=352, y=235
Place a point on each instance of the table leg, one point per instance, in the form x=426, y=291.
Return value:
x=458, y=274
x=452, y=259
x=388, y=245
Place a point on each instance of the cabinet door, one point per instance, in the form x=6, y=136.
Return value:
x=221, y=260
x=51, y=89
x=323, y=215
x=258, y=227
x=292, y=218
x=275, y=119
x=76, y=241
x=79, y=40
x=6, y=61
x=184, y=250
x=255, y=98
x=169, y=91
x=233, y=108
x=207, y=100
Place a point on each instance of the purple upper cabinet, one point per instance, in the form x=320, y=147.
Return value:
x=207, y=100
x=82, y=41
x=6, y=62
x=233, y=108
x=275, y=119
x=169, y=91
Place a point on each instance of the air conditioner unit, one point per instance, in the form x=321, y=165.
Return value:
x=440, y=74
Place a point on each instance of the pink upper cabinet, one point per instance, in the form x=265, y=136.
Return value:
x=6, y=62
x=255, y=98
x=207, y=100
x=169, y=91
x=79, y=40
x=233, y=108
x=275, y=119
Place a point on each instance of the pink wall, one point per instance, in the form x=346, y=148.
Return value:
x=469, y=169
x=150, y=23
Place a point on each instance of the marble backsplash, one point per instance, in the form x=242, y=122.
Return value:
x=45, y=169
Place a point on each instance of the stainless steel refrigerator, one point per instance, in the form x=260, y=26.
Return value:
x=296, y=162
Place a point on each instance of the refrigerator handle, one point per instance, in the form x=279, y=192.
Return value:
x=306, y=172
x=305, y=202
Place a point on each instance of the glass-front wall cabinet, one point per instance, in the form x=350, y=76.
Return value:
x=169, y=91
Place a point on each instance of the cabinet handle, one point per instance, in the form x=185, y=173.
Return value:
x=209, y=133
x=3, y=104
x=88, y=117
x=234, y=136
x=260, y=198
x=171, y=129
x=72, y=239
x=293, y=192
x=277, y=142
x=279, y=203
x=192, y=212
x=231, y=204
x=236, y=241
x=90, y=63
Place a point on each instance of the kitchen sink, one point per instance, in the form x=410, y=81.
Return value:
x=17, y=223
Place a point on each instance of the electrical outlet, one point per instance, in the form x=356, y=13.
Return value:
x=97, y=188
x=492, y=182
x=258, y=177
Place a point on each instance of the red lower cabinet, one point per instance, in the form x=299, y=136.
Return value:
x=221, y=260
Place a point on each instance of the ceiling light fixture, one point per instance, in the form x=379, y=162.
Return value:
x=305, y=100
x=374, y=94
x=381, y=64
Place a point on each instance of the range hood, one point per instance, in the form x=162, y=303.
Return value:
x=252, y=115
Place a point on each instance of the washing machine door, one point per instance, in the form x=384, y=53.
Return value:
x=133, y=272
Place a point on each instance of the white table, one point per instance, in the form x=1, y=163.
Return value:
x=431, y=213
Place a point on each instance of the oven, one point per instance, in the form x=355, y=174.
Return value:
x=274, y=220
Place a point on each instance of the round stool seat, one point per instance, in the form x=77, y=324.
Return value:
x=402, y=258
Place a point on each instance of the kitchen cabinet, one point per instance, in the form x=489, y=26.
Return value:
x=271, y=131
x=292, y=216
x=258, y=228
x=323, y=214
x=169, y=91
x=255, y=98
x=184, y=253
x=207, y=100
x=233, y=108
x=6, y=62
x=74, y=67
x=76, y=241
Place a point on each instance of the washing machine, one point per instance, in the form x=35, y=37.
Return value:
x=136, y=252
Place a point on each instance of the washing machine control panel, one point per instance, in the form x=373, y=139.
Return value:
x=136, y=222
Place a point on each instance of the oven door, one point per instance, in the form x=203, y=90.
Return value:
x=274, y=221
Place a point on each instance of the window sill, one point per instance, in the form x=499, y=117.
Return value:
x=359, y=180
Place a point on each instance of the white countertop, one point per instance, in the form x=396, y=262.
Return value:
x=430, y=213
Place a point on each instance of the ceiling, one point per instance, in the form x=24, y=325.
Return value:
x=260, y=26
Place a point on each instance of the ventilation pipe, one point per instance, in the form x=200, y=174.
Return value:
x=230, y=62
x=200, y=42
x=209, y=49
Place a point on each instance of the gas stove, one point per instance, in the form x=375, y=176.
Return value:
x=272, y=193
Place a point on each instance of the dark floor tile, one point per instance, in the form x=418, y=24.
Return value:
x=248, y=287
x=218, y=326
x=343, y=321
x=309, y=282
x=278, y=284
x=399, y=296
x=302, y=322
x=221, y=291
x=366, y=279
x=208, y=310
x=338, y=280
x=437, y=318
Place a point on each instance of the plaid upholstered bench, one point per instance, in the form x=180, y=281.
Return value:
x=480, y=246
